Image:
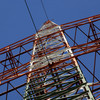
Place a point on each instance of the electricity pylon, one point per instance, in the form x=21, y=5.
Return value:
x=55, y=71
x=59, y=75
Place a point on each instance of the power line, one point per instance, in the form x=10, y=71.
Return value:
x=31, y=16
x=44, y=10
x=36, y=29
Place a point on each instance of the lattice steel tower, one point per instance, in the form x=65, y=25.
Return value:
x=58, y=75
x=55, y=69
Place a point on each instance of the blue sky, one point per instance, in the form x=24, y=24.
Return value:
x=15, y=22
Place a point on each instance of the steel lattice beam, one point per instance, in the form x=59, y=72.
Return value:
x=23, y=48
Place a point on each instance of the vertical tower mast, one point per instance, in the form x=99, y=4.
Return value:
x=58, y=75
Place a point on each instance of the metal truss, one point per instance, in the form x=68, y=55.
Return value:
x=49, y=68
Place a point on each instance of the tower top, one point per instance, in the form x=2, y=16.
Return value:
x=48, y=24
x=48, y=28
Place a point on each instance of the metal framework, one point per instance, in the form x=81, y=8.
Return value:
x=56, y=70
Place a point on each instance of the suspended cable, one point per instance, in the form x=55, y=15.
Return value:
x=36, y=28
x=44, y=10
x=31, y=16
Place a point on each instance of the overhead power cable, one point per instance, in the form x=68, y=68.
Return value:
x=31, y=16
x=44, y=10
x=36, y=29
